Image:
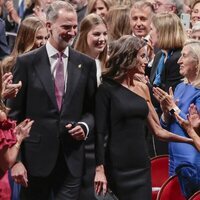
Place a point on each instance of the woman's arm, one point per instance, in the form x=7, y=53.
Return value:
x=154, y=124
x=102, y=109
x=8, y=154
x=161, y=133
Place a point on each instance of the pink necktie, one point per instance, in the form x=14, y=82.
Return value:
x=59, y=80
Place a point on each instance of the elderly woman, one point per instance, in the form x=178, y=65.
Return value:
x=186, y=93
x=123, y=106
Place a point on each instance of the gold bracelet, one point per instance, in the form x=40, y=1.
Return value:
x=17, y=145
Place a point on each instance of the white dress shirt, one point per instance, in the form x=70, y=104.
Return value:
x=53, y=58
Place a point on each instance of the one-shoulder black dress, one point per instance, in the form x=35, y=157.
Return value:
x=120, y=140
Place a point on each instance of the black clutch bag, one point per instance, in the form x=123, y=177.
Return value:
x=108, y=196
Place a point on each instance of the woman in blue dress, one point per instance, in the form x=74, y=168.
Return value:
x=184, y=158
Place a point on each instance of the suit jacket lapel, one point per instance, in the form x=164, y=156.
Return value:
x=154, y=67
x=74, y=72
x=42, y=67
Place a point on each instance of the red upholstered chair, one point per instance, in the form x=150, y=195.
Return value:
x=195, y=196
x=159, y=173
x=171, y=190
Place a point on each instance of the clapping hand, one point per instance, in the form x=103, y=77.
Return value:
x=23, y=129
x=9, y=90
x=166, y=100
x=193, y=121
x=12, y=12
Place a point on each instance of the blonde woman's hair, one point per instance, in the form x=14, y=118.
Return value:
x=118, y=22
x=171, y=34
x=194, y=46
x=24, y=41
x=107, y=3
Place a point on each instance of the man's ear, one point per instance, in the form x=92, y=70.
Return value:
x=48, y=25
x=173, y=9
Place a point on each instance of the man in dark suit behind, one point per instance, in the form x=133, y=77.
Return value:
x=53, y=155
x=4, y=48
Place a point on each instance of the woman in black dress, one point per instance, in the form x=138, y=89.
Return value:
x=123, y=107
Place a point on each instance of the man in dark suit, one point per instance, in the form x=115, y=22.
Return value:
x=4, y=48
x=53, y=155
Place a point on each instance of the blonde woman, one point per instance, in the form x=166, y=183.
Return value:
x=168, y=36
x=118, y=22
x=32, y=34
x=100, y=7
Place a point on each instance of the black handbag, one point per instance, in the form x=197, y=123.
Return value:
x=108, y=196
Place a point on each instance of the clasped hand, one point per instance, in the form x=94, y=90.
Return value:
x=76, y=132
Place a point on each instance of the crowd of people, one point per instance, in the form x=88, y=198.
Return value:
x=90, y=90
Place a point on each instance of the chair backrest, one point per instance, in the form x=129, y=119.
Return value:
x=159, y=170
x=195, y=196
x=171, y=190
x=11, y=39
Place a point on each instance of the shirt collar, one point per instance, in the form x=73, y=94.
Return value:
x=51, y=51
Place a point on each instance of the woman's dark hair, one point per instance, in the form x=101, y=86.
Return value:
x=123, y=54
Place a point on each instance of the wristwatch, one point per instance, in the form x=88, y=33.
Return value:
x=173, y=110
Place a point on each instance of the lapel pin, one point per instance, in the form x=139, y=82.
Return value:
x=79, y=66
